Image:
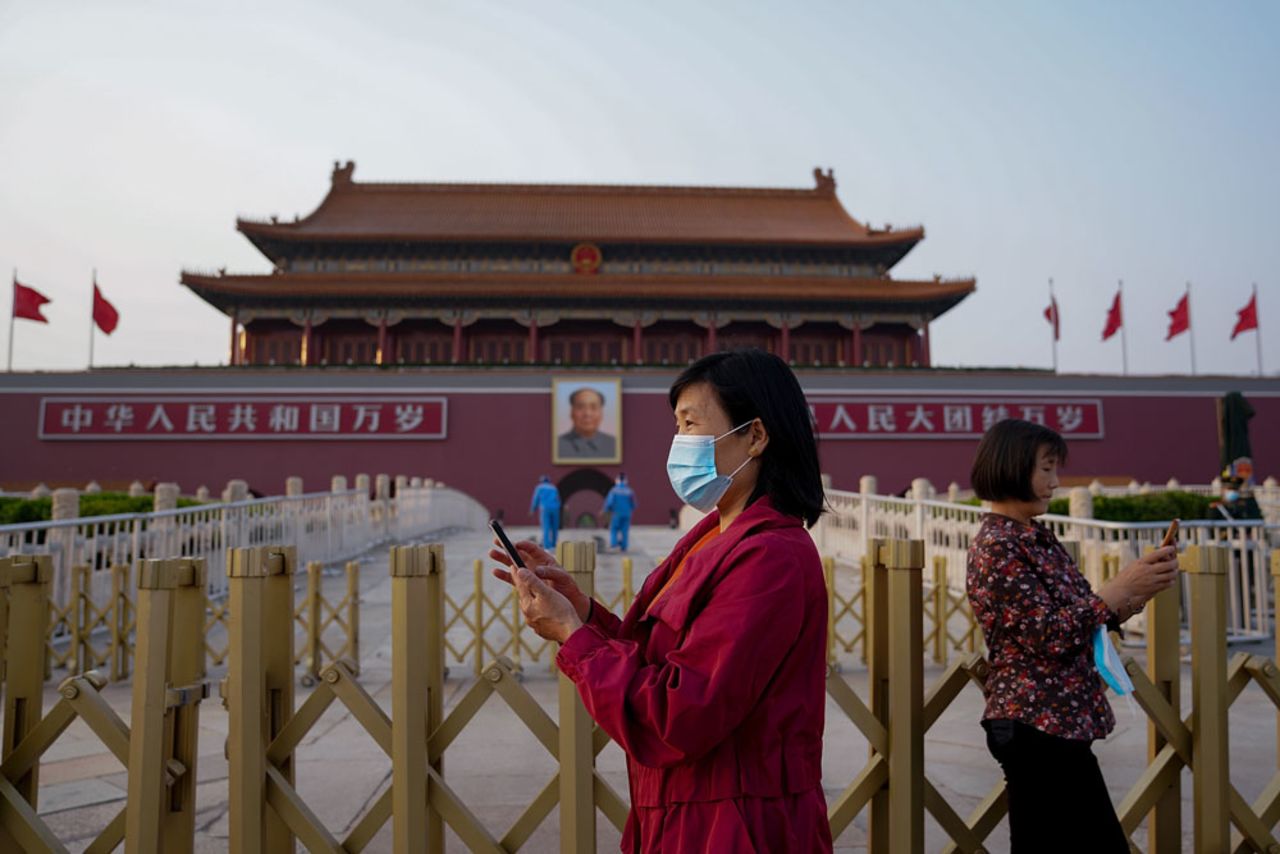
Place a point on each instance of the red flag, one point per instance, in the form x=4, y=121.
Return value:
x=104, y=313
x=1247, y=317
x=27, y=302
x=1115, y=318
x=1051, y=315
x=1179, y=318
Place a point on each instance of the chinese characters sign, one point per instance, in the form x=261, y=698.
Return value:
x=248, y=417
x=943, y=418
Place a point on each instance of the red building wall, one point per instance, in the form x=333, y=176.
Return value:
x=499, y=433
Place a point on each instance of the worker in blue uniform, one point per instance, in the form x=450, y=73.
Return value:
x=620, y=503
x=546, y=503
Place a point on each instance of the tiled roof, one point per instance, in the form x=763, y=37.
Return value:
x=599, y=213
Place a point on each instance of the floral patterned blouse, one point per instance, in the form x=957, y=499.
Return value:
x=1038, y=615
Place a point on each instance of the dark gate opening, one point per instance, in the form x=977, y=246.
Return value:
x=582, y=492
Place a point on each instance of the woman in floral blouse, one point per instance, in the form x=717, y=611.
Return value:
x=1045, y=702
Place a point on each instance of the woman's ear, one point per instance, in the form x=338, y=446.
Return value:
x=759, y=438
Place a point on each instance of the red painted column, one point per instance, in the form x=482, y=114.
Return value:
x=307, y=343
x=857, y=345
x=637, y=344
x=925, y=358
x=786, y=342
x=235, y=338
x=382, y=341
x=457, y=341
x=532, y=355
x=711, y=337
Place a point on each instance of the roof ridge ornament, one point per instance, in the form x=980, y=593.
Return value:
x=825, y=182
x=343, y=175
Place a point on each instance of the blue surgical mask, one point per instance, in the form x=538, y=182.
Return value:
x=691, y=468
x=1108, y=662
x=1232, y=496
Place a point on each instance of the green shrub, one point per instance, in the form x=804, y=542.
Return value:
x=1156, y=507
x=16, y=511
x=111, y=503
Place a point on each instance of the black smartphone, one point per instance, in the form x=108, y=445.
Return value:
x=496, y=527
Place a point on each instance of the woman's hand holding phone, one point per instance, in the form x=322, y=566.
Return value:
x=544, y=567
x=1142, y=579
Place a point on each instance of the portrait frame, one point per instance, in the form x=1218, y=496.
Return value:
x=565, y=440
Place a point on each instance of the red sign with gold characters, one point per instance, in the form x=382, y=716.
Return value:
x=241, y=417
x=586, y=258
x=949, y=418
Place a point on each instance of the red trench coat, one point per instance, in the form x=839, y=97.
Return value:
x=717, y=693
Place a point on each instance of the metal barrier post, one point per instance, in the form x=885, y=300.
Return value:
x=29, y=578
x=904, y=562
x=278, y=652
x=435, y=648
x=259, y=690
x=829, y=571
x=577, y=759
x=411, y=629
x=5, y=564
x=516, y=626
x=353, y=615
x=1164, y=669
x=939, y=602
x=628, y=590
x=121, y=609
x=1206, y=568
x=868, y=571
x=1275, y=630
x=79, y=658
x=164, y=724
x=314, y=594
x=875, y=613
x=477, y=615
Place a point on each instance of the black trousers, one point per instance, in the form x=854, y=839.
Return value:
x=1058, y=800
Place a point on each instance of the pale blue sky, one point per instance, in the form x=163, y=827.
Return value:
x=1087, y=141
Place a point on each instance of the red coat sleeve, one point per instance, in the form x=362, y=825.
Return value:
x=603, y=619
x=668, y=714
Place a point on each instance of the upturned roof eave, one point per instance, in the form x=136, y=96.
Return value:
x=283, y=289
x=259, y=232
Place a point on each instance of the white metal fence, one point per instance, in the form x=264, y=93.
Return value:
x=325, y=526
x=947, y=529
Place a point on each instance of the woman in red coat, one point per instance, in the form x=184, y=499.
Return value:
x=714, y=682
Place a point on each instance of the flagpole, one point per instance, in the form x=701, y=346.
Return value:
x=12, y=305
x=1257, y=327
x=91, y=308
x=1053, y=303
x=1124, y=338
x=1191, y=332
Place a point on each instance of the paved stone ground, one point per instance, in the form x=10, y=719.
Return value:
x=497, y=767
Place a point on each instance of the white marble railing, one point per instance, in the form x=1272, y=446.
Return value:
x=946, y=529
x=325, y=526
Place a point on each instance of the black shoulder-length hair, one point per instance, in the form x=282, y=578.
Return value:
x=750, y=384
x=1006, y=459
